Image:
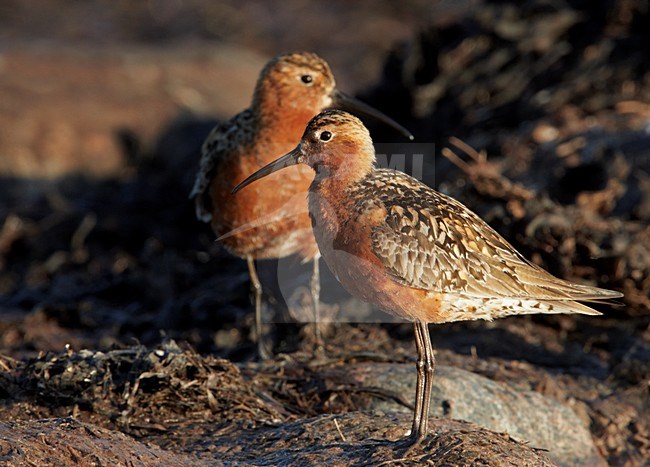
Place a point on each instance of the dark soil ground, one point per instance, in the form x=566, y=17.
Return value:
x=120, y=315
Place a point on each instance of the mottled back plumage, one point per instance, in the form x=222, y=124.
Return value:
x=223, y=141
x=432, y=242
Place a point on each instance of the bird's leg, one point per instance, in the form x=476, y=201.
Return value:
x=315, y=300
x=256, y=290
x=419, y=385
x=429, y=366
x=424, y=384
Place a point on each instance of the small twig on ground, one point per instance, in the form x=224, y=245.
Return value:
x=338, y=428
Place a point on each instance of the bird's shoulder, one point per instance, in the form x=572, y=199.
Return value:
x=230, y=134
x=428, y=240
x=225, y=140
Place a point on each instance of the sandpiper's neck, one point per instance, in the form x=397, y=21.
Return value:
x=283, y=125
x=339, y=169
x=335, y=186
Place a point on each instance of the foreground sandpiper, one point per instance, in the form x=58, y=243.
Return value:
x=416, y=253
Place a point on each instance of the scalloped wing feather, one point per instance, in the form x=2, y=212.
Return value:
x=432, y=242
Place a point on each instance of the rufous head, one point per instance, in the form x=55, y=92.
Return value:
x=294, y=87
x=336, y=141
x=335, y=144
x=295, y=81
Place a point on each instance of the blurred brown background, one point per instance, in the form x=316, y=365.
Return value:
x=71, y=73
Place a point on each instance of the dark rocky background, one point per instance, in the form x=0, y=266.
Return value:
x=119, y=312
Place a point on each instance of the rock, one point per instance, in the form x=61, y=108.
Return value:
x=527, y=416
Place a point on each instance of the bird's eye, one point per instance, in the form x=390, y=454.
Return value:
x=325, y=136
x=307, y=79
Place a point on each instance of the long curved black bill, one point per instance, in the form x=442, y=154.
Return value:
x=291, y=158
x=355, y=105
